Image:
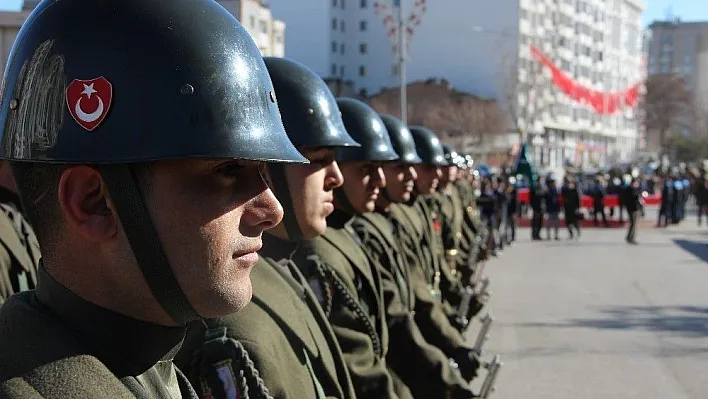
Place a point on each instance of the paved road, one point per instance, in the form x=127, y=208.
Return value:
x=597, y=318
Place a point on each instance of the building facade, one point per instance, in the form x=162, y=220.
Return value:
x=257, y=17
x=484, y=48
x=681, y=48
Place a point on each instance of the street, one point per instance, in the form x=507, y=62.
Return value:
x=597, y=318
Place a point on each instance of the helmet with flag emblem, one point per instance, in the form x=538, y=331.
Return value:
x=115, y=83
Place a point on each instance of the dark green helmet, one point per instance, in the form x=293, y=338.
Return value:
x=311, y=118
x=309, y=110
x=451, y=156
x=122, y=81
x=428, y=146
x=118, y=82
x=367, y=128
x=401, y=139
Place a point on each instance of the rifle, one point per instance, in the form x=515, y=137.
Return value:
x=488, y=386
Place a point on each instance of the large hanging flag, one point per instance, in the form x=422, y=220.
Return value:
x=605, y=103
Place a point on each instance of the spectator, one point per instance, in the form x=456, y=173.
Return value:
x=571, y=205
x=552, y=203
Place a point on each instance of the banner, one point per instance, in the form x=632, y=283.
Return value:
x=604, y=103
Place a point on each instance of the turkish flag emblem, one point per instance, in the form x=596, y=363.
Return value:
x=89, y=101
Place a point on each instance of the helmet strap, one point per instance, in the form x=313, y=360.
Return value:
x=145, y=242
x=282, y=192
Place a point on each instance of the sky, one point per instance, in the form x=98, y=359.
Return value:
x=687, y=10
x=11, y=5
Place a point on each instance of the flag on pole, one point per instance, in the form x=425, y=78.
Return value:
x=523, y=165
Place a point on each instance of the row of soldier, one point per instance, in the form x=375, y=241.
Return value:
x=339, y=257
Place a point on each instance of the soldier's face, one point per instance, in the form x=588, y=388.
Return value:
x=428, y=178
x=311, y=189
x=363, y=182
x=209, y=216
x=452, y=173
x=400, y=181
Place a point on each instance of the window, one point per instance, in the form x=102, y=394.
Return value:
x=334, y=3
x=362, y=26
x=362, y=70
x=264, y=26
x=342, y=4
x=341, y=71
x=334, y=47
x=362, y=48
x=363, y=4
x=341, y=48
x=334, y=70
x=334, y=23
x=252, y=21
x=341, y=25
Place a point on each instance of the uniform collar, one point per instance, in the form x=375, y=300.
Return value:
x=277, y=248
x=126, y=346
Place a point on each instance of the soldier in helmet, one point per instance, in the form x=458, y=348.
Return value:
x=284, y=330
x=135, y=138
x=414, y=235
x=352, y=286
x=430, y=173
x=424, y=368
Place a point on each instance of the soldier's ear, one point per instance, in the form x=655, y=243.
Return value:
x=85, y=204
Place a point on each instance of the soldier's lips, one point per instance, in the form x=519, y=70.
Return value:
x=328, y=207
x=249, y=257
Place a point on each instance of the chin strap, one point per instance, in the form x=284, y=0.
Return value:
x=145, y=243
x=282, y=192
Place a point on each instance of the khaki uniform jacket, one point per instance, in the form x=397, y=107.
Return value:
x=450, y=290
x=41, y=358
x=286, y=334
x=420, y=365
x=19, y=253
x=429, y=313
x=356, y=307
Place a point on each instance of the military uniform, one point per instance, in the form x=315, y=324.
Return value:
x=85, y=351
x=450, y=290
x=283, y=329
x=421, y=366
x=430, y=314
x=355, y=307
x=19, y=252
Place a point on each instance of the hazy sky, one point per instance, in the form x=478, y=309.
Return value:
x=688, y=10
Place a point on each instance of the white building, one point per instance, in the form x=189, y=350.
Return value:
x=257, y=18
x=478, y=46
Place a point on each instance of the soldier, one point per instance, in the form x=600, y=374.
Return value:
x=421, y=366
x=284, y=330
x=428, y=204
x=19, y=252
x=134, y=137
x=414, y=234
x=354, y=300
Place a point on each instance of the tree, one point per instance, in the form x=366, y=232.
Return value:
x=667, y=107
